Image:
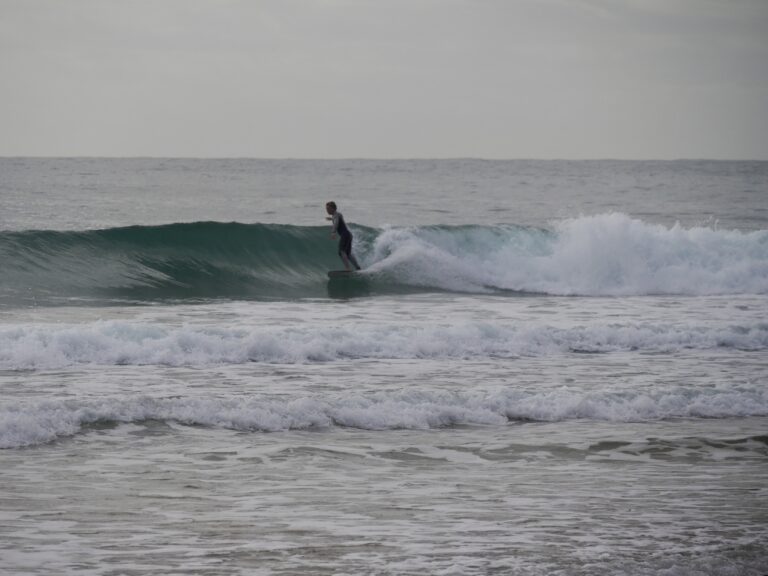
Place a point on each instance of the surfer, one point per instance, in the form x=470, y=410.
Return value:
x=345, y=236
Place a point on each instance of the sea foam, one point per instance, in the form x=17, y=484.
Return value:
x=604, y=255
x=134, y=343
x=31, y=423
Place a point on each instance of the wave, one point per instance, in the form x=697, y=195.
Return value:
x=28, y=424
x=174, y=261
x=115, y=342
x=605, y=255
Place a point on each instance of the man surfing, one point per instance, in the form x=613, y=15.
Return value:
x=345, y=236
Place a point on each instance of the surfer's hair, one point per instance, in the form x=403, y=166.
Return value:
x=331, y=204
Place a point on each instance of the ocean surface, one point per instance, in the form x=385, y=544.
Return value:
x=545, y=368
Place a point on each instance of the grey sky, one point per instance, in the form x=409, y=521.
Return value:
x=385, y=78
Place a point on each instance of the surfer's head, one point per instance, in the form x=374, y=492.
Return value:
x=330, y=207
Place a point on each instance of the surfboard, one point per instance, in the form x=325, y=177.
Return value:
x=341, y=273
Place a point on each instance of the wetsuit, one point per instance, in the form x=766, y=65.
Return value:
x=345, y=238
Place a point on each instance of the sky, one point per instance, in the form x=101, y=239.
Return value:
x=573, y=79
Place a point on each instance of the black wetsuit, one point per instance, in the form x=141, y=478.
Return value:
x=345, y=238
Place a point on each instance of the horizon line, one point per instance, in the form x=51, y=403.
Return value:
x=377, y=158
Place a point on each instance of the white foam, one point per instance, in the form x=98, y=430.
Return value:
x=608, y=254
x=41, y=346
x=30, y=423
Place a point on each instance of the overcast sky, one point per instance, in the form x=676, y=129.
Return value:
x=385, y=78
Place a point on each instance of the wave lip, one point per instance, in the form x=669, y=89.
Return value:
x=29, y=424
x=604, y=255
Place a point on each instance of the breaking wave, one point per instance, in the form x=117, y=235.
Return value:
x=610, y=254
x=115, y=342
x=27, y=424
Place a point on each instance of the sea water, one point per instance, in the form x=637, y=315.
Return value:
x=545, y=368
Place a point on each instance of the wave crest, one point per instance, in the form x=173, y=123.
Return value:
x=610, y=254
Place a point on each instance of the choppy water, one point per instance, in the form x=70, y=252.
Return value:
x=547, y=368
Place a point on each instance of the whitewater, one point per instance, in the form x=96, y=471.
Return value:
x=545, y=367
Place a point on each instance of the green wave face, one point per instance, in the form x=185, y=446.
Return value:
x=177, y=261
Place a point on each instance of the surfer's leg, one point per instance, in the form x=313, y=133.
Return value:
x=345, y=246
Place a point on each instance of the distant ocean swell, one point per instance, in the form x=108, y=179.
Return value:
x=33, y=423
x=610, y=254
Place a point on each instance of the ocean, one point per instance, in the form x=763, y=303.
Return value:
x=545, y=368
